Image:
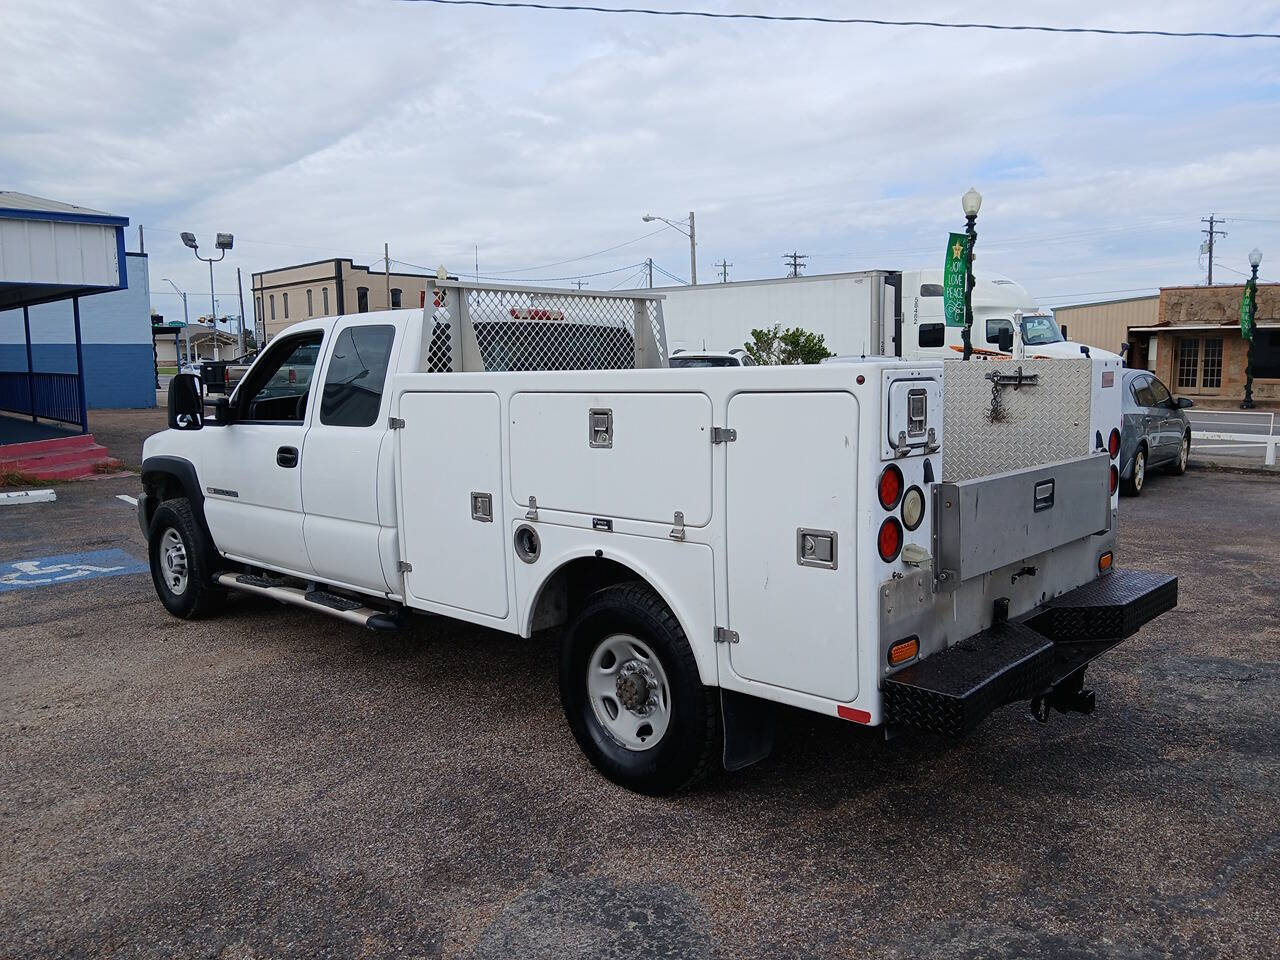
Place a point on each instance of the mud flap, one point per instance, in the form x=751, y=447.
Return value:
x=748, y=728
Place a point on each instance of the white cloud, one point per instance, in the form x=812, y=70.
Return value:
x=325, y=129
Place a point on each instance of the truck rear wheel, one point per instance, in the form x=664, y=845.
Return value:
x=178, y=549
x=632, y=695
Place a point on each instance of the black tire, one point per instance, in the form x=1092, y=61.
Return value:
x=693, y=738
x=1179, y=465
x=198, y=597
x=1132, y=487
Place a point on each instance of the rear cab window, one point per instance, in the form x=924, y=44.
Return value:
x=356, y=376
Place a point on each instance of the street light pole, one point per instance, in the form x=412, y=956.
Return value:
x=1255, y=261
x=224, y=243
x=689, y=229
x=186, y=328
x=971, y=202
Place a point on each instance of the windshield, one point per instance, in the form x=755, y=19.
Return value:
x=1039, y=329
x=679, y=361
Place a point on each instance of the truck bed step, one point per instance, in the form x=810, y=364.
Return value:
x=1113, y=607
x=951, y=691
x=344, y=608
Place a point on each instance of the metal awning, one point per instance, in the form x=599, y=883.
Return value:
x=1198, y=328
x=50, y=250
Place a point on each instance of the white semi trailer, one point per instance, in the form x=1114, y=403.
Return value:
x=869, y=313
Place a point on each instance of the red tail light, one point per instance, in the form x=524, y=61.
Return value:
x=226, y=375
x=1115, y=477
x=889, y=542
x=293, y=375
x=890, y=486
x=1113, y=444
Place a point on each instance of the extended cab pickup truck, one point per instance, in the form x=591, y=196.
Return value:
x=899, y=544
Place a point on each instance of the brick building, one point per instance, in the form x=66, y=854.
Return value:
x=1190, y=338
x=328, y=288
x=1195, y=345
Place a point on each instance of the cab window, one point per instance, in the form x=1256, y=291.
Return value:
x=357, y=372
x=932, y=335
x=276, y=390
x=994, y=328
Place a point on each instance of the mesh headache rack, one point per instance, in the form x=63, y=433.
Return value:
x=470, y=326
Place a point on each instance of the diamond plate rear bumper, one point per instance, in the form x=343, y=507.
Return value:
x=952, y=691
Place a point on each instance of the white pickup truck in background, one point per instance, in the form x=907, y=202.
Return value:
x=900, y=544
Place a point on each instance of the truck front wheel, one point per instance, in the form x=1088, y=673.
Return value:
x=178, y=549
x=632, y=695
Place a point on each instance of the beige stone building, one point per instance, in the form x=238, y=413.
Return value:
x=327, y=288
x=1190, y=338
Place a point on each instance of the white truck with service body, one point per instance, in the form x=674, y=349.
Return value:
x=888, y=313
x=900, y=544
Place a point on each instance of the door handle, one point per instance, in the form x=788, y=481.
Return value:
x=287, y=457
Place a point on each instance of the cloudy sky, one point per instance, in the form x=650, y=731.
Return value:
x=324, y=128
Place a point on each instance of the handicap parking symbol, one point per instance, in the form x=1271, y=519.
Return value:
x=67, y=568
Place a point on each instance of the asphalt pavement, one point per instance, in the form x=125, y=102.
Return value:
x=276, y=783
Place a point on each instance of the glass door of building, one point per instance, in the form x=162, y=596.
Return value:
x=1199, y=369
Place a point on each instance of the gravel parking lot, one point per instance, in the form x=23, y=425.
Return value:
x=274, y=783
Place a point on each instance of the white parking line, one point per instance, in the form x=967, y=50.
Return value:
x=127, y=499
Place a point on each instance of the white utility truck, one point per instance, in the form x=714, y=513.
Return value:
x=887, y=313
x=899, y=544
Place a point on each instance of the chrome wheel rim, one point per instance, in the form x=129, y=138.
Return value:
x=629, y=692
x=1139, y=471
x=173, y=561
x=1186, y=453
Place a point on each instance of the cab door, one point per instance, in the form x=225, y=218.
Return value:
x=249, y=468
x=343, y=526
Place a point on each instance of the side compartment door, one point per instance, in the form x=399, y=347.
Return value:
x=792, y=540
x=451, y=514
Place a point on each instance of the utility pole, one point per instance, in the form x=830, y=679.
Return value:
x=386, y=260
x=580, y=284
x=1211, y=220
x=240, y=287
x=693, y=253
x=796, y=262
x=649, y=264
x=724, y=270
x=142, y=247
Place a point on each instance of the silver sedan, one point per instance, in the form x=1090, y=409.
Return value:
x=1154, y=432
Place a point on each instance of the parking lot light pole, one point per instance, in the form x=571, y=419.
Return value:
x=223, y=244
x=688, y=228
x=971, y=203
x=1255, y=261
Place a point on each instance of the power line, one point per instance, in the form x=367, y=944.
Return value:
x=667, y=273
x=858, y=21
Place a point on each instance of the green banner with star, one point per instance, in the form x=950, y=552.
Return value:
x=953, y=276
x=1246, y=311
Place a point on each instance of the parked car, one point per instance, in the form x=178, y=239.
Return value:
x=737, y=357
x=1154, y=430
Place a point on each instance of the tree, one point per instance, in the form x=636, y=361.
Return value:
x=794, y=345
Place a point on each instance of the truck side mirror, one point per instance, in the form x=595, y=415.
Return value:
x=1004, y=340
x=1063, y=328
x=186, y=405
x=223, y=412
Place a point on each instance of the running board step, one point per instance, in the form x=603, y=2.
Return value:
x=321, y=601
